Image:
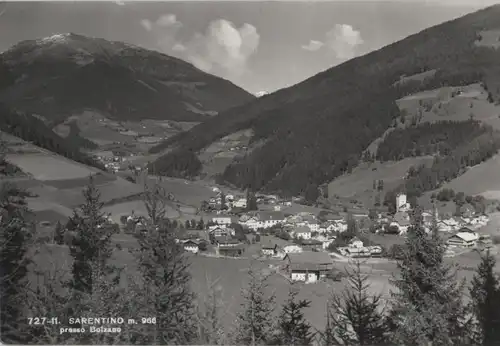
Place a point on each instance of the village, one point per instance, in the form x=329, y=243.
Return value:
x=303, y=246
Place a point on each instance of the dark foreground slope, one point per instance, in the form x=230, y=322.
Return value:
x=58, y=76
x=318, y=129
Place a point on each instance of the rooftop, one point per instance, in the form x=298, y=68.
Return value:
x=271, y=215
x=302, y=229
x=466, y=236
x=310, y=257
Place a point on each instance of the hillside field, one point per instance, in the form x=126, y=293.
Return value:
x=459, y=103
x=482, y=179
x=359, y=184
x=45, y=166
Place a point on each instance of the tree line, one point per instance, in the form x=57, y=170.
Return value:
x=428, y=139
x=427, y=305
x=447, y=167
x=32, y=129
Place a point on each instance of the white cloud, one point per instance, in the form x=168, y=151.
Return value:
x=147, y=24
x=313, y=45
x=343, y=40
x=179, y=47
x=223, y=48
x=168, y=20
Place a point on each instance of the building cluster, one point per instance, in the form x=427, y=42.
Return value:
x=466, y=238
x=228, y=202
x=400, y=221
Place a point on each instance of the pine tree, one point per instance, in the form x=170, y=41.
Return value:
x=91, y=246
x=251, y=201
x=293, y=327
x=93, y=276
x=155, y=206
x=427, y=302
x=255, y=323
x=16, y=235
x=485, y=294
x=201, y=225
x=59, y=232
x=210, y=329
x=166, y=281
x=355, y=316
x=380, y=185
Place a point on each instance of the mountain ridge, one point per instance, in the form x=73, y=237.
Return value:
x=48, y=77
x=313, y=137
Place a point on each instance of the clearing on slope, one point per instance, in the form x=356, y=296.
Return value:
x=482, y=179
x=453, y=103
x=359, y=184
x=47, y=166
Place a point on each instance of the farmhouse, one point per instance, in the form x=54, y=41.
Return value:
x=302, y=232
x=463, y=239
x=401, y=221
x=222, y=220
x=240, y=203
x=271, y=218
x=308, y=266
x=232, y=251
x=311, y=245
x=226, y=242
x=355, y=243
x=269, y=248
x=191, y=246
x=292, y=249
x=221, y=232
x=251, y=222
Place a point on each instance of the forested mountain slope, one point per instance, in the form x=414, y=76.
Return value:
x=32, y=129
x=318, y=129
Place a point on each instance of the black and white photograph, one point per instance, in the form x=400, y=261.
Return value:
x=258, y=173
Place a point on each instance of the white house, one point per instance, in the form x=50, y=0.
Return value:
x=326, y=241
x=191, y=246
x=356, y=243
x=271, y=218
x=463, y=239
x=314, y=226
x=340, y=226
x=218, y=231
x=222, y=220
x=303, y=232
x=308, y=266
x=401, y=221
x=292, y=249
x=444, y=226
x=240, y=203
x=253, y=223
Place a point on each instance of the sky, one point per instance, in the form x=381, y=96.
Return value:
x=260, y=46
